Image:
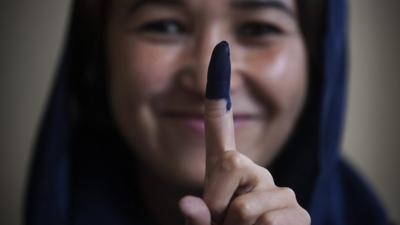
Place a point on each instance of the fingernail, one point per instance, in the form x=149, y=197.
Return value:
x=219, y=74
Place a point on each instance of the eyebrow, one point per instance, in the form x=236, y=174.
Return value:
x=256, y=4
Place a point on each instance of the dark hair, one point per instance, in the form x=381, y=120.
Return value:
x=87, y=65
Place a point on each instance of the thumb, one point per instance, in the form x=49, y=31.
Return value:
x=195, y=211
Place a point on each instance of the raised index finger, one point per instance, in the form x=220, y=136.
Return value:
x=218, y=118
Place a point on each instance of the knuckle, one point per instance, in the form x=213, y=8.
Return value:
x=242, y=209
x=268, y=219
x=291, y=195
x=232, y=160
x=305, y=215
x=269, y=176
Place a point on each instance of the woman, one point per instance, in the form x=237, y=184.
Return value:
x=123, y=140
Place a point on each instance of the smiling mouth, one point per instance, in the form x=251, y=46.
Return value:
x=195, y=121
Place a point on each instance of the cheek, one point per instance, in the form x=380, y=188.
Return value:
x=278, y=74
x=142, y=70
x=139, y=74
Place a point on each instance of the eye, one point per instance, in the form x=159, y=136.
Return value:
x=163, y=27
x=257, y=30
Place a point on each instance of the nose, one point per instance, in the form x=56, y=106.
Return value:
x=194, y=80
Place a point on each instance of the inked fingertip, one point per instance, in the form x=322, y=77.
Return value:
x=219, y=74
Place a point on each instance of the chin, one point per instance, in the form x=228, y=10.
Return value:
x=185, y=174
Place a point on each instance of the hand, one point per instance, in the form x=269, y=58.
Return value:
x=237, y=191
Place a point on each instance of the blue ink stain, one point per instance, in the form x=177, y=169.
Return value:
x=219, y=75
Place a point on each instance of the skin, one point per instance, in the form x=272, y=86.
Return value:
x=157, y=86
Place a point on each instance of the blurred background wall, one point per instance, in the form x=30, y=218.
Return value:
x=372, y=135
x=31, y=37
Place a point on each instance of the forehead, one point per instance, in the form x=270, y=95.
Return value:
x=210, y=4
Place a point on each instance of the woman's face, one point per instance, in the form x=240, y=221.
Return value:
x=158, y=54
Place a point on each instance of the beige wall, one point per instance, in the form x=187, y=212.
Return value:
x=372, y=136
x=31, y=35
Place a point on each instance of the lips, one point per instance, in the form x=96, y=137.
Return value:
x=195, y=121
x=195, y=115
